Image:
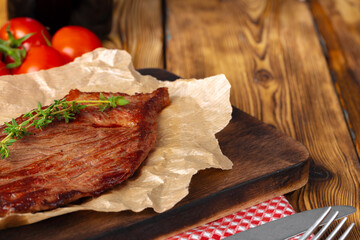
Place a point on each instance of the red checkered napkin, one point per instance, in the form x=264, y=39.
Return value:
x=240, y=221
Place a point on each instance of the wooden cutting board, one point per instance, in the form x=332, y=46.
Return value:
x=267, y=163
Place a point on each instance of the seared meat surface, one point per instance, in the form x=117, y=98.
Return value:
x=89, y=155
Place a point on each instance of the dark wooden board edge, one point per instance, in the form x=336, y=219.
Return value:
x=160, y=74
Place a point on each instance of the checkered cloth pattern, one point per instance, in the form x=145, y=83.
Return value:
x=240, y=221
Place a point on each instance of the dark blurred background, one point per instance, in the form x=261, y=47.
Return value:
x=95, y=15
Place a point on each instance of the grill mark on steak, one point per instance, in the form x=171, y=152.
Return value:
x=84, y=158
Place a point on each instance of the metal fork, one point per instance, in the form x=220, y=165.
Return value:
x=326, y=226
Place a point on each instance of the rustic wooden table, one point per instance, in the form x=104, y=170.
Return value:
x=291, y=64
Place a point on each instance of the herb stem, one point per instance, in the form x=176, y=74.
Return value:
x=9, y=136
x=89, y=101
x=61, y=109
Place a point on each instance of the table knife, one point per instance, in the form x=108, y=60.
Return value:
x=290, y=226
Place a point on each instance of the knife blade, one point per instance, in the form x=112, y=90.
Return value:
x=290, y=226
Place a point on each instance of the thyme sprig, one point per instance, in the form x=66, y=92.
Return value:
x=42, y=117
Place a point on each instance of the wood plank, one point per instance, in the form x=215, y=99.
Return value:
x=3, y=12
x=339, y=24
x=139, y=31
x=271, y=54
x=281, y=166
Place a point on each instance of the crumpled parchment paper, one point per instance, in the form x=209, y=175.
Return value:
x=186, y=129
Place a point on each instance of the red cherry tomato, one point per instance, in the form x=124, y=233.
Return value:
x=39, y=58
x=22, y=26
x=74, y=41
x=3, y=69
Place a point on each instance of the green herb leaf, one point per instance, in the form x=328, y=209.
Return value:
x=60, y=109
x=121, y=101
x=4, y=151
x=102, y=97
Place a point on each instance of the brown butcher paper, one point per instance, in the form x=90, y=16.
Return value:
x=186, y=129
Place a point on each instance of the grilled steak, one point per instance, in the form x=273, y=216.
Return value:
x=89, y=155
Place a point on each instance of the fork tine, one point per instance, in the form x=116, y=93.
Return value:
x=347, y=231
x=326, y=226
x=335, y=231
x=315, y=225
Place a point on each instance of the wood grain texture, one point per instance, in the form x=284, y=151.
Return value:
x=3, y=12
x=271, y=54
x=339, y=25
x=267, y=163
x=137, y=28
